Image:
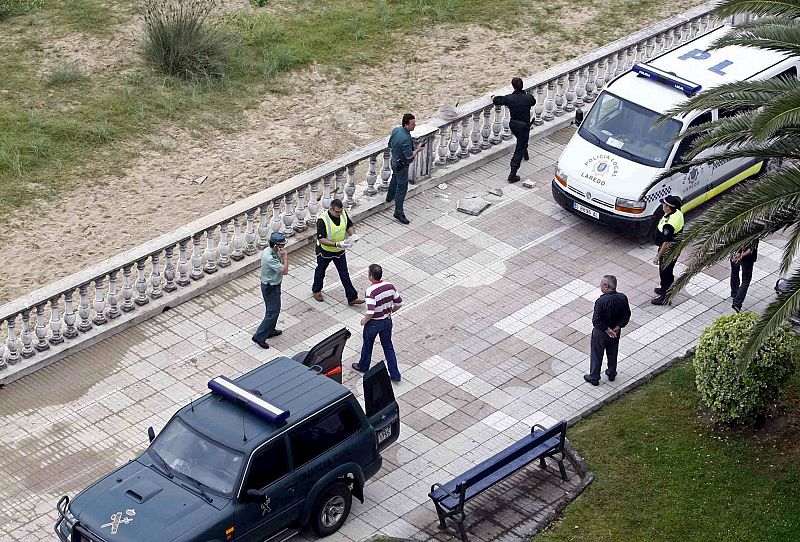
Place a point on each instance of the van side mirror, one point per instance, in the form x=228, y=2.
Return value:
x=254, y=495
x=578, y=117
x=151, y=434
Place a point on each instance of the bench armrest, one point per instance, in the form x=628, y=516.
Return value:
x=448, y=493
x=538, y=426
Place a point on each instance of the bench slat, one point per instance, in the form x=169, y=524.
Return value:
x=487, y=473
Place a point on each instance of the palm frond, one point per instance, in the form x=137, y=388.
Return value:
x=721, y=133
x=773, y=316
x=769, y=8
x=782, y=37
x=790, y=250
x=781, y=112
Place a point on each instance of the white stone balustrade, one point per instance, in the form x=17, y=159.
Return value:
x=107, y=304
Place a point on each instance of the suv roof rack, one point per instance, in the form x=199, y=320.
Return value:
x=668, y=78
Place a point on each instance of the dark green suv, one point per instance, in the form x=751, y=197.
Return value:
x=256, y=459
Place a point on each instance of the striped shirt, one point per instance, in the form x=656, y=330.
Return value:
x=382, y=298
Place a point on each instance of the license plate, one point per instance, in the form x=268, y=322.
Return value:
x=384, y=433
x=585, y=210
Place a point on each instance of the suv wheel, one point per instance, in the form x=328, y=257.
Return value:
x=331, y=509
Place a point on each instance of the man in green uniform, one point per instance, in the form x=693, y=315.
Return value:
x=403, y=153
x=274, y=265
x=668, y=227
x=332, y=229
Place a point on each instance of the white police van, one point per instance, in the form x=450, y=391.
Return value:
x=607, y=172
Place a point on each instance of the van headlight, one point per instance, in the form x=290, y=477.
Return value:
x=561, y=177
x=630, y=206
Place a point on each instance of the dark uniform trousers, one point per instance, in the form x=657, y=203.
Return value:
x=601, y=343
x=739, y=289
x=339, y=259
x=666, y=273
x=522, y=131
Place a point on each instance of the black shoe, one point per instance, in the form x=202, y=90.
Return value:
x=398, y=379
x=660, y=300
x=514, y=178
x=402, y=219
x=525, y=156
x=658, y=291
x=262, y=344
x=611, y=378
x=274, y=333
x=737, y=308
x=388, y=199
x=357, y=368
x=591, y=381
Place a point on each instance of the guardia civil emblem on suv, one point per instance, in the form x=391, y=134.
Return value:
x=258, y=458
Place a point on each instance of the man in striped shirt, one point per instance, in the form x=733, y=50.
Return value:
x=382, y=300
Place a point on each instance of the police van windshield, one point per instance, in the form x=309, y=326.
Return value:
x=627, y=130
x=193, y=456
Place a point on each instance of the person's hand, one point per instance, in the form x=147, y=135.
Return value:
x=736, y=257
x=281, y=250
x=610, y=333
x=655, y=260
x=617, y=332
x=364, y=320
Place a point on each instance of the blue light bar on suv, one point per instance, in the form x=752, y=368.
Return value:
x=226, y=388
x=684, y=85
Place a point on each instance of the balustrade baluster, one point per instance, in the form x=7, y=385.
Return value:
x=277, y=220
x=506, y=133
x=238, y=239
x=475, y=136
x=630, y=57
x=155, y=276
x=183, y=264
x=2, y=351
x=580, y=87
x=620, y=64
x=288, y=214
x=99, y=302
x=224, y=245
x=313, y=204
x=127, y=292
x=497, y=125
x=591, y=81
x=41, y=329
x=300, y=212
x=649, y=48
x=386, y=172
x=372, y=176
x=141, y=281
x=70, y=331
x=250, y=233
x=350, y=189
x=677, y=35
x=454, y=143
x=326, y=193
x=11, y=341
x=113, y=296
x=197, y=260
x=55, y=323
x=441, y=151
x=569, y=106
x=463, y=142
x=659, y=45
x=640, y=55
x=264, y=222
x=339, y=178
x=27, y=337
x=548, y=101
x=603, y=67
x=559, y=97
x=486, y=129
x=83, y=308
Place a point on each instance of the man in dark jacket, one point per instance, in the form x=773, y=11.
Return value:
x=611, y=313
x=519, y=103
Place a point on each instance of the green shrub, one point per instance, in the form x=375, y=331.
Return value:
x=742, y=397
x=260, y=3
x=181, y=39
x=10, y=8
x=65, y=73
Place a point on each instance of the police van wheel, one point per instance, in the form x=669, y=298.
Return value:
x=331, y=509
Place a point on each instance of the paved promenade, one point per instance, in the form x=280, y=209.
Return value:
x=493, y=337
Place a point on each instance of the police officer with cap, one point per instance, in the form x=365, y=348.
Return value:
x=668, y=227
x=274, y=265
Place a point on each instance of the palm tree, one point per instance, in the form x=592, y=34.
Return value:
x=767, y=126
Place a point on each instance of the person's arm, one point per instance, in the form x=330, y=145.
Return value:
x=669, y=233
x=370, y=304
x=322, y=235
x=397, y=302
x=284, y=256
x=500, y=100
x=351, y=229
x=598, y=317
x=626, y=314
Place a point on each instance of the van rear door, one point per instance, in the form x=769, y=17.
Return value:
x=380, y=405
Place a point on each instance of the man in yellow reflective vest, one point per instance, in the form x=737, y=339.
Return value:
x=668, y=227
x=333, y=227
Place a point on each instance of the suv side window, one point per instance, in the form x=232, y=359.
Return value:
x=687, y=141
x=322, y=434
x=268, y=465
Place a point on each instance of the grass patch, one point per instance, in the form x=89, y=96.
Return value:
x=65, y=73
x=662, y=474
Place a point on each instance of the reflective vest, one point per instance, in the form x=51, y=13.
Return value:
x=333, y=232
x=674, y=219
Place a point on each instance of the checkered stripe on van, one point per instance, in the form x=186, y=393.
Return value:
x=656, y=196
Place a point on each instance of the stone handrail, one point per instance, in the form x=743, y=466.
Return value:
x=165, y=271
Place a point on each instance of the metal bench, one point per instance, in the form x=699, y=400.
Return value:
x=449, y=498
